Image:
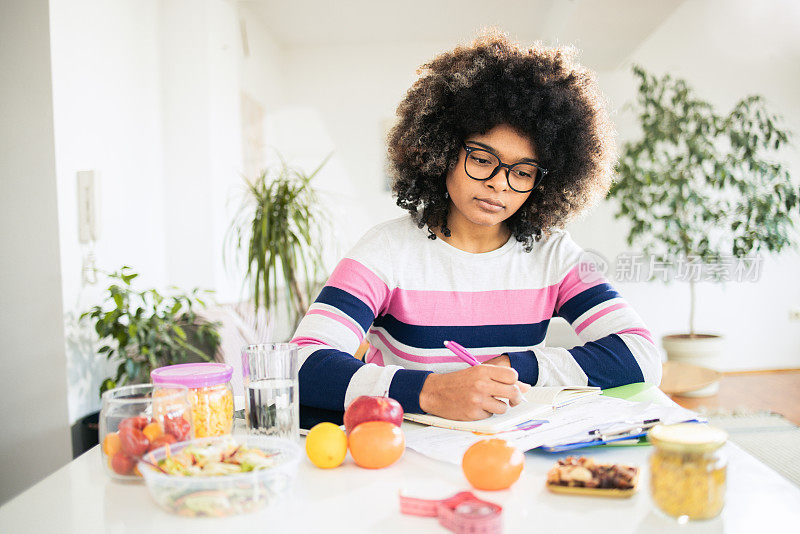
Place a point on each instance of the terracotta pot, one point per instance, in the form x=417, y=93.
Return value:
x=704, y=350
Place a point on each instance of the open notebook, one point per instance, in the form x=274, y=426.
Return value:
x=541, y=401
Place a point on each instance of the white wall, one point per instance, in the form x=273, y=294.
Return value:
x=107, y=112
x=35, y=436
x=354, y=89
x=147, y=93
x=725, y=49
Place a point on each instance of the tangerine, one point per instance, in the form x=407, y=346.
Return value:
x=153, y=431
x=111, y=444
x=492, y=464
x=376, y=444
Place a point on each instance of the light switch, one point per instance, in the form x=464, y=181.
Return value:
x=87, y=207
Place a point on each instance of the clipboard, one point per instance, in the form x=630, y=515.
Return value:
x=634, y=440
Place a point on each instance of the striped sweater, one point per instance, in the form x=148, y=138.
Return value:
x=407, y=294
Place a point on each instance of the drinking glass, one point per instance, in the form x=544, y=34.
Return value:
x=272, y=404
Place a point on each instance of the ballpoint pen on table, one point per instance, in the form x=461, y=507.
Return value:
x=635, y=430
x=598, y=437
x=467, y=357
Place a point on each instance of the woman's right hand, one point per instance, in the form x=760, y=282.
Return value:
x=471, y=393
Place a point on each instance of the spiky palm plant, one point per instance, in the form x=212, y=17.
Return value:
x=280, y=223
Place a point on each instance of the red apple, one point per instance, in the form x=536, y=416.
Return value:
x=365, y=409
x=122, y=463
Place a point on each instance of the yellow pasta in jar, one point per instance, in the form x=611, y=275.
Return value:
x=212, y=410
x=210, y=394
x=688, y=470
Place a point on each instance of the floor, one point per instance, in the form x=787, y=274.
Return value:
x=753, y=391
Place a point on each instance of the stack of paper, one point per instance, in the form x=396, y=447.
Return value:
x=565, y=425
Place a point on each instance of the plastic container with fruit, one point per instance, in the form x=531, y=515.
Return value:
x=210, y=394
x=141, y=418
x=216, y=477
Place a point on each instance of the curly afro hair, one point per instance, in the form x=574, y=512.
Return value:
x=539, y=91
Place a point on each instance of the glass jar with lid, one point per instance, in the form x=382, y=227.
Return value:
x=688, y=470
x=138, y=419
x=209, y=392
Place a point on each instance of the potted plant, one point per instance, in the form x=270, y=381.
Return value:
x=281, y=225
x=704, y=189
x=146, y=330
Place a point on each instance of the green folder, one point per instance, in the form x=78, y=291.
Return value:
x=640, y=392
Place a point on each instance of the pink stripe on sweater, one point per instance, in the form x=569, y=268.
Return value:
x=359, y=281
x=305, y=341
x=597, y=315
x=375, y=356
x=572, y=284
x=645, y=333
x=476, y=308
x=338, y=319
x=413, y=357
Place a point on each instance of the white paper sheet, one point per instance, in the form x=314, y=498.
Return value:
x=565, y=425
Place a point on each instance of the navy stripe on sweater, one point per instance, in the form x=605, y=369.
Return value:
x=586, y=300
x=433, y=337
x=608, y=362
x=324, y=377
x=348, y=304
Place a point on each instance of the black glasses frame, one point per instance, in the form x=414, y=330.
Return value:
x=542, y=172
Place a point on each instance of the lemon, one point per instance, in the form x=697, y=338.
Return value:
x=326, y=445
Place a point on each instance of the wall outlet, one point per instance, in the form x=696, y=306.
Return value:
x=794, y=313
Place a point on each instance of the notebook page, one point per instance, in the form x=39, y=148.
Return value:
x=541, y=401
x=554, y=395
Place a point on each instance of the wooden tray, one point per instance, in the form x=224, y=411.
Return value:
x=680, y=377
x=595, y=492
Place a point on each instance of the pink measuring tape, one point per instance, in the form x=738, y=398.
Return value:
x=462, y=513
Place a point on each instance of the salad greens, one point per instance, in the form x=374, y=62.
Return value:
x=223, y=457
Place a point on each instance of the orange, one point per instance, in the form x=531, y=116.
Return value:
x=326, y=445
x=111, y=444
x=376, y=444
x=152, y=431
x=492, y=464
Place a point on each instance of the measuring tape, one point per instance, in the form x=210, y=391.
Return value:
x=462, y=513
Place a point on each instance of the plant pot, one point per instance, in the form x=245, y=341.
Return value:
x=704, y=350
x=85, y=434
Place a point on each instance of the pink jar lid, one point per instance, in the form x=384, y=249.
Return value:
x=193, y=375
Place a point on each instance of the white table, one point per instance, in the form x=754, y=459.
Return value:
x=80, y=498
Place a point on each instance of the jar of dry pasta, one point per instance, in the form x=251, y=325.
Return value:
x=688, y=470
x=209, y=392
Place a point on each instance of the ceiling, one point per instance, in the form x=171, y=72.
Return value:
x=606, y=31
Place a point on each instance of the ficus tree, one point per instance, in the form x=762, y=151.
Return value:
x=704, y=185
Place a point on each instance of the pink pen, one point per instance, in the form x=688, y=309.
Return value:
x=466, y=356
x=462, y=353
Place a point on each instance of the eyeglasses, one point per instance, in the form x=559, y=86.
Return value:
x=481, y=164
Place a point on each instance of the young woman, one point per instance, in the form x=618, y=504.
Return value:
x=495, y=149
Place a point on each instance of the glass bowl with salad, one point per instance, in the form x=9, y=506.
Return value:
x=222, y=476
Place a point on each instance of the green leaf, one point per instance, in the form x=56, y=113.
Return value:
x=106, y=385
x=130, y=368
x=178, y=330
